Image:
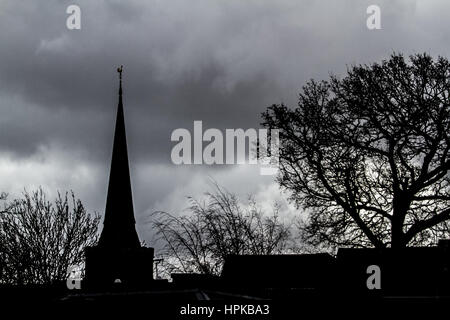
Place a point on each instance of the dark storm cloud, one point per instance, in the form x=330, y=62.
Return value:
x=219, y=62
x=222, y=62
x=173, y=74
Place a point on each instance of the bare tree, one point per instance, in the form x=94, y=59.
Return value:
x=39, y=239
x=200, y=241
x=367, y=156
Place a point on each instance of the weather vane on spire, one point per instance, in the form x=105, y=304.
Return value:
x=119, y=70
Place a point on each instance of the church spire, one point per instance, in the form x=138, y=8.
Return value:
x=119, y=70
x=119, y=230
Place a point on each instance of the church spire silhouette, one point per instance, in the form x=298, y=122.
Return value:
x=119, y=230
x=119, y=255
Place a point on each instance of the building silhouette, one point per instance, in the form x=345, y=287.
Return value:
x=119, y=256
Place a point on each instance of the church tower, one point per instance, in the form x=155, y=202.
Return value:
x=119, y=224
x=119, y=257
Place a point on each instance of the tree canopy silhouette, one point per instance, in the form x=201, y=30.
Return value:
x=200, y=241
x=367, y=156
x=39, y=239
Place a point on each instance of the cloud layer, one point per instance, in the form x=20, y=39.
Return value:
x=222, y=62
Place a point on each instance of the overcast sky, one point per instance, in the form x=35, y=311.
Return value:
x=222, y=62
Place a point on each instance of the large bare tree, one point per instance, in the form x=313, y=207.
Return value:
x=40, y=239
x=367, y=156
x=201, y=240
